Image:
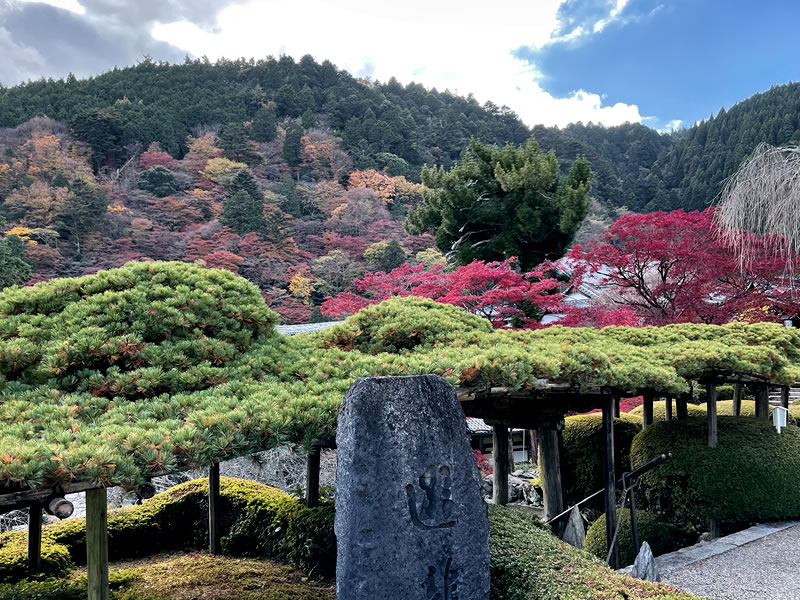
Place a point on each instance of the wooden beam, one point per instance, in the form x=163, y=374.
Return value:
x=312, y=477
x=785, y=396
x=214, y=510
x=711, y=414
x=668, y=408
x=550, y=475
x=501, y=467
x=647, y=410
x=738, y=390
x=762, y=402
x=97, y=543
x=35, y=539
x=610, y=479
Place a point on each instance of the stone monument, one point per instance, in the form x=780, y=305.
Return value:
x=410, y=520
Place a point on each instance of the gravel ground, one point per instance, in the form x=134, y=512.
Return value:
x=765, y=569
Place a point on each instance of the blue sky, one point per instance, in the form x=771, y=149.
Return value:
x=679, y=59
x=658, y=62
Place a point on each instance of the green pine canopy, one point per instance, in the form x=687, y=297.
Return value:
x=155, y=367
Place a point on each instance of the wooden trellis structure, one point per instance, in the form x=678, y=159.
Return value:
x=543, y=409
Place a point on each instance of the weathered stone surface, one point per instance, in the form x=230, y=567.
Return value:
x=644, y=567
x=410, y=520
x=575, y=531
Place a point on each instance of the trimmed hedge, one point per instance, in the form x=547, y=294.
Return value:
x=257, y=520
x=582, y=463
x=662, y=537
x=529, y=563
x=752, y=475
x=660, y=410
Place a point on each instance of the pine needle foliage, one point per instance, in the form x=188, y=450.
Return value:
x=153, y=367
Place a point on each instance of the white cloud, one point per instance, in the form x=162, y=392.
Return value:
x=466, y=46
x=70, y=5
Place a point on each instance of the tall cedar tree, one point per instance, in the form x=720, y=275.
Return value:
x=14, y=270
x=292, y=146
x=243, y=210
x=499, y=203
x=236, y=145
x=82, y=211
x=265, y=125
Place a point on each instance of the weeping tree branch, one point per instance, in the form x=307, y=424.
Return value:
x=763, y=198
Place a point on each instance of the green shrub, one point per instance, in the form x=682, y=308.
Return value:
x=752, y=475
x=660, y=410
x=59, y=589
x=662, y=537
x=257, y=520
x=582, y=463
x=530, y=563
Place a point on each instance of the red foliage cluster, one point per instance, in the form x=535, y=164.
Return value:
x=484, y=466
x=675, y=268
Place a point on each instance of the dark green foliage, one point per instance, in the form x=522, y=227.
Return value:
x=236, y=145
x=292, y=145
x=582, y=466
x=290, y=196
x=159, y=181
x=164, y=102
x=265, y=125
x=244, y=213
x=385, y=256
x=82, y=211
x=258, y=521
x=499, y=203
x=530, y=563
x=14, y=269
x=662, y=537
x=309, y=120
x=752, y=475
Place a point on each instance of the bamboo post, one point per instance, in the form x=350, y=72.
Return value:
x=647, y=410
x=738, y=388
x=214, y=509
x=668, y=408
x=610, y=478
x=97, y=543
x=312, y=477
x=550, y=476
x=34, y=538
x=501, y=466
x=711, y=414
x=762, y=402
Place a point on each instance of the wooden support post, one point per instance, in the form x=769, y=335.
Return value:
x=738, y=389
x=550, y=476
x=616, y=408
x=97, y=543
x=501, y=467
x=214, y=510
x=785, y=396
x=668, y=408
x=312, y=477
x=762, y=402
x=681, y=408
x=34, y=539
x=610, y=478
x=647, y=410
x=713, y=529
x=711, y=414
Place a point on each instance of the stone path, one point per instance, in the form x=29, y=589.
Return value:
x=757, y=563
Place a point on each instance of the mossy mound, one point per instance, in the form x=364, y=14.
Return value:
x=529, y=563
x=257, y=520
x=752, y=475
x=662, y=537
x=660, y=410
x=582, y=466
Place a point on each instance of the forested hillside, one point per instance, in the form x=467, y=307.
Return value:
x=296, y=174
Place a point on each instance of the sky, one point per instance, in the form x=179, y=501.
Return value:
x=664, y=63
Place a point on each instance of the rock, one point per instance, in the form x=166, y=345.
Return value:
x=704, y=537
x=410, y=520
x=517, y=473
x=516, y=489
x=575, y=531
x=645, y=565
